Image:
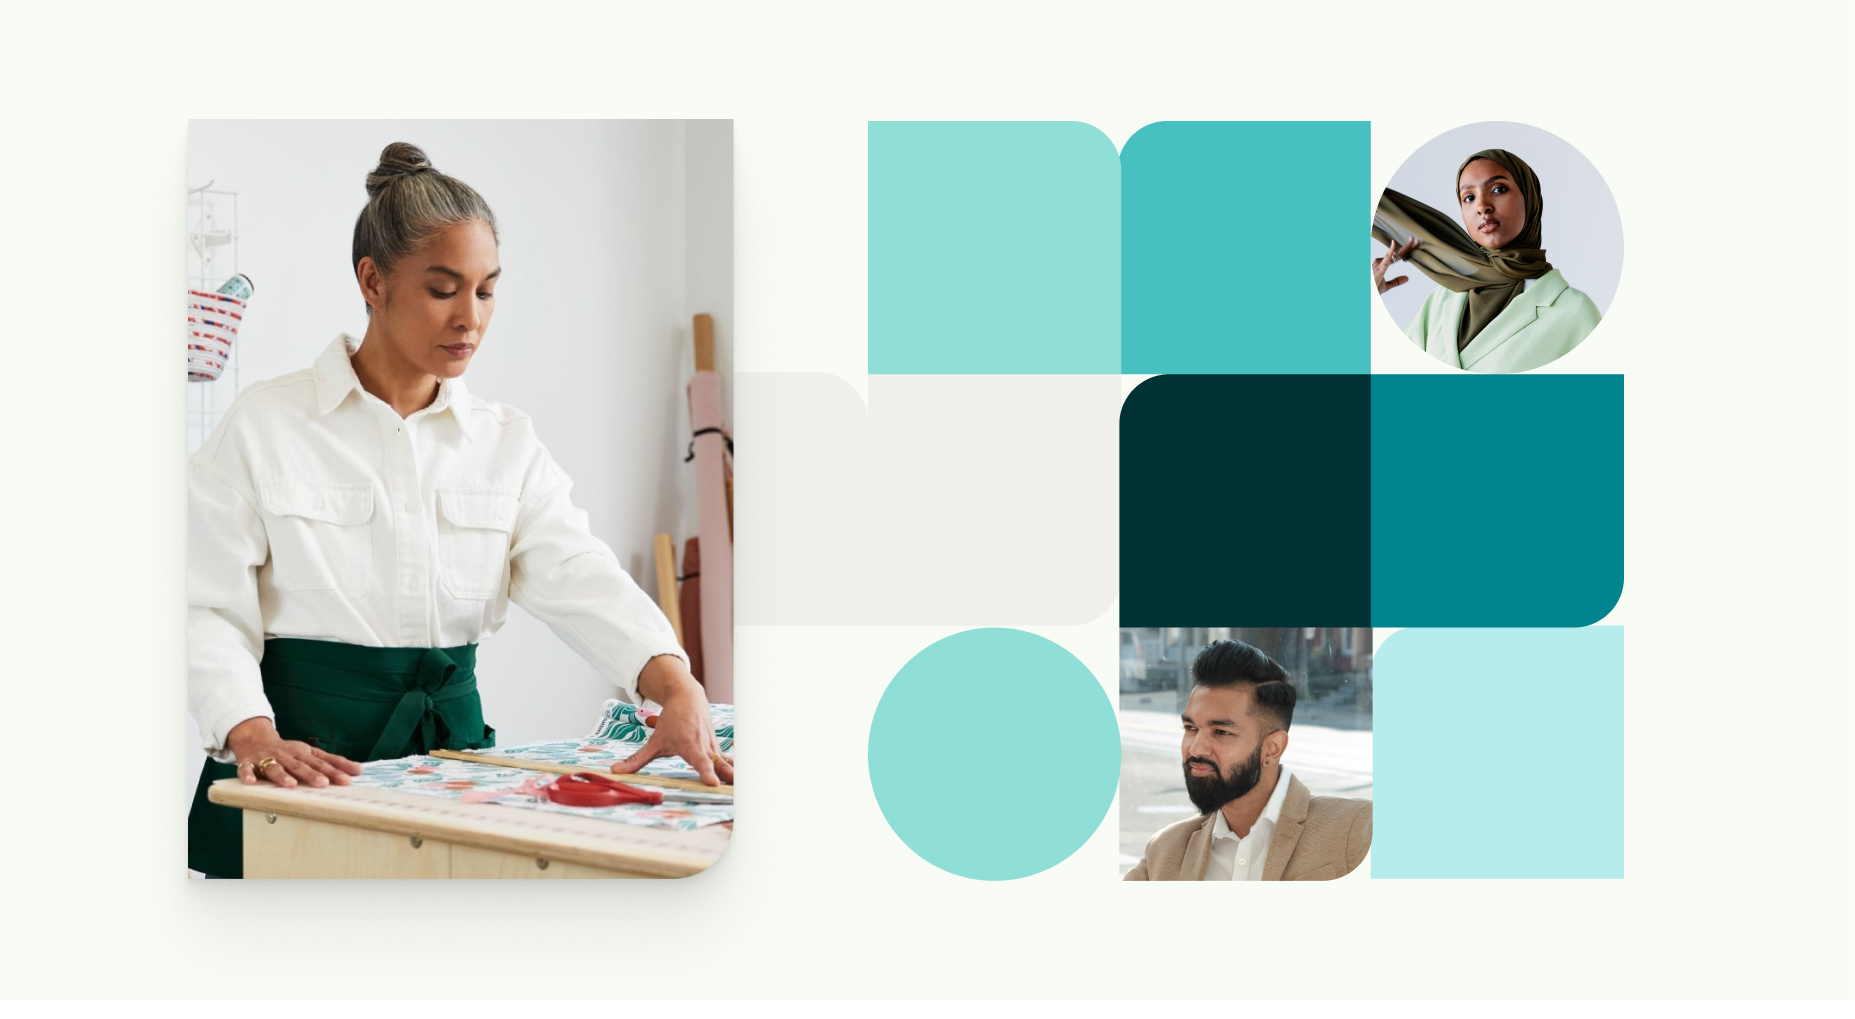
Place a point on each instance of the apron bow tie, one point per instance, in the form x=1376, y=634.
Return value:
x=417, y=711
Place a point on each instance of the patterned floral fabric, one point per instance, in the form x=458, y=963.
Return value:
x=621, y=720
x=618, y=735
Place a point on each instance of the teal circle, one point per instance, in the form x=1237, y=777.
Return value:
x=994, y=754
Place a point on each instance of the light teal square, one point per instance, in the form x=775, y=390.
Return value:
x=1241, y=244
x=1498, y=754
x=994, y=248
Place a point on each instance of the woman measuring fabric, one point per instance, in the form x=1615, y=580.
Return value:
x=356, y=528
x=1500, y=306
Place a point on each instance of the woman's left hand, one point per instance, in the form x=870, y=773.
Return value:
x=1398, y=252
x=683, y=728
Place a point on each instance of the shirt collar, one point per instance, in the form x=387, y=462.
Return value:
x=335, y=377
x=335, y=380
x=1271, y=811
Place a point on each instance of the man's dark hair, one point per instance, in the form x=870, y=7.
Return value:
x=1225, y=662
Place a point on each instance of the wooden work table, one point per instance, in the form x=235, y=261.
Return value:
x=348, y=831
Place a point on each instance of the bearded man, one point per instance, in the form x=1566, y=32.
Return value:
x=1259, y=822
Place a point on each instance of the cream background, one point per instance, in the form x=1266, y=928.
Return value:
x=1738, y=599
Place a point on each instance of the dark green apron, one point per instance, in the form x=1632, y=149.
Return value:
x=364, y=703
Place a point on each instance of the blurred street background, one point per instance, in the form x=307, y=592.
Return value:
x=1329, y=743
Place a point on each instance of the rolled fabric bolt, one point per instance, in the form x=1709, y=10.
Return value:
x=238, y=286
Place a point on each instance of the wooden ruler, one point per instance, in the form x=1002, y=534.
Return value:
x=567, y=769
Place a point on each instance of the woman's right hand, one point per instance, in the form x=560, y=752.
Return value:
x=255, y=741
x=1397, y=253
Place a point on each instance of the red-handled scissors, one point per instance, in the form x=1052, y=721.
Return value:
x=590, y=789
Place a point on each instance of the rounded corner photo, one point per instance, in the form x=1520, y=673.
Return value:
x=1246, y=752
x=445, y=402
x=1496, y=248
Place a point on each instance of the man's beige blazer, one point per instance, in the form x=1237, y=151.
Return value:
x=1317, y=838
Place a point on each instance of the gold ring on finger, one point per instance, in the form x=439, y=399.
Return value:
x=265, y=763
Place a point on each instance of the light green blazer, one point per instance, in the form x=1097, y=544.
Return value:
x=1541, y=324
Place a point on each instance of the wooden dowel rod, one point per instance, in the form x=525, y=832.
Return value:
x=705, y=343
x=566, y=769
x=666, y=586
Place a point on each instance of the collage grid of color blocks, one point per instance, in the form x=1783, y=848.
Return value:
x=1022, y=273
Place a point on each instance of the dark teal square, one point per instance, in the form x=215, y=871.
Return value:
x=1497, y=500
x=1243, y=498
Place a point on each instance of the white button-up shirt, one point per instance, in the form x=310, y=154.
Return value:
x=315, y=511
x=1242, y=859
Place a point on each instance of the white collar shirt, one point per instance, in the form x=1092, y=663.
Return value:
x=315, y=511
x=1243, y=859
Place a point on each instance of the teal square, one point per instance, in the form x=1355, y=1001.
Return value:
x=1498, y=753
x=1240, y=248
x=1497, y=500
x=994, y=248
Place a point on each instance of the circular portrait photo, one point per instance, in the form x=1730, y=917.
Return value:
x=1515, y=243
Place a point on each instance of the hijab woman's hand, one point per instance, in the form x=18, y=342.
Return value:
x=286, y=762
x=1396, y=254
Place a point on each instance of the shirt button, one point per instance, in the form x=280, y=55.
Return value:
x=411, y=507
x=412, y=586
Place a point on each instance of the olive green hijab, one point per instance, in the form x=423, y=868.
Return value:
x=1492, y=276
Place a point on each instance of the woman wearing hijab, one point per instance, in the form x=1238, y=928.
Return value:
x=358, y=527
x=1500, y=306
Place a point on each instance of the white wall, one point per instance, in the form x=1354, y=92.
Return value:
x=613, y=233
x=708, y=274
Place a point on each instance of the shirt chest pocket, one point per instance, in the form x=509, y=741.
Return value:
x=474, y=525
x=319, y=535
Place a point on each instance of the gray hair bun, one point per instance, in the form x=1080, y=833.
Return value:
x=408, y=203
x=400, y=159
